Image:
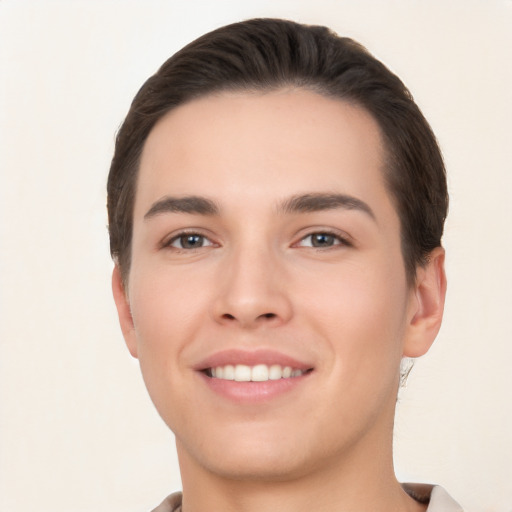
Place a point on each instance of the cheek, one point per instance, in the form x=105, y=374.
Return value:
x=165, y=313
x=361, y=312
x=166, y=310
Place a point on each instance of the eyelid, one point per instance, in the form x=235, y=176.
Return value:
x=167, y=242
x=342, y=237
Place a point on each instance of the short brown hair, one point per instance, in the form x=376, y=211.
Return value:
x=267, y=54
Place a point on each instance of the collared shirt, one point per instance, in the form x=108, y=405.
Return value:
x=437, y=498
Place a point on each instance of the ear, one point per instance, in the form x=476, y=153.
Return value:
x=427, y=305
x=124, y=312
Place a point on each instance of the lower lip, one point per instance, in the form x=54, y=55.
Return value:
x=253, y=392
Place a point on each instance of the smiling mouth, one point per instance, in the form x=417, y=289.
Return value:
x=257, y=373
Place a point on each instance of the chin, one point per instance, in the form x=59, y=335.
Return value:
x=254, y=456
x=261, y=467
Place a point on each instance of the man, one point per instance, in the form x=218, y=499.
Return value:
x=276, y=205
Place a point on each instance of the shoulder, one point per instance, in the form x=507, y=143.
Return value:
x=437, y=498
x=171, y=504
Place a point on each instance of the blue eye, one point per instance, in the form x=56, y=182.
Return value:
x=190, y=241
x=322, y=240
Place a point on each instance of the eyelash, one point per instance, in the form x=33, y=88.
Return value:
x=338, y=240
x=186, y=234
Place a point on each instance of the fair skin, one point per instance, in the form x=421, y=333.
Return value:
x=286, y=253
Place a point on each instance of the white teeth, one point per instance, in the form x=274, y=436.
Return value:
x=257, y=373
x=229, y=372
x=242, y=373
x=275, y=372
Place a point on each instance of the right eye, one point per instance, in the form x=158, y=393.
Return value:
x=187, y=241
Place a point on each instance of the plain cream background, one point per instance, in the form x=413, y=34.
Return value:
x=78, y=432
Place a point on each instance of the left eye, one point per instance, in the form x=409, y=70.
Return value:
x=189, y=241
x=319, y=240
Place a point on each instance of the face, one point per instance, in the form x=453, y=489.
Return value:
x=267, y=299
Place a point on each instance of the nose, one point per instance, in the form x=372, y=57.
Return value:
x=252, y=291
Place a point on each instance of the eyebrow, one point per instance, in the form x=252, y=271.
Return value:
x=316, y=202
x=189, y=204
x=304, y=203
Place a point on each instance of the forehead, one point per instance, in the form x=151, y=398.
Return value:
x=263, y=145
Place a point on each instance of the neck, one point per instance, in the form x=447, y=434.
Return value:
x=361, y=479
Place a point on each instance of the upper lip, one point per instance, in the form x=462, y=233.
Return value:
x=251, y=358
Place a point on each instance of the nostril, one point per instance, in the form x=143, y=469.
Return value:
x=228, y=317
